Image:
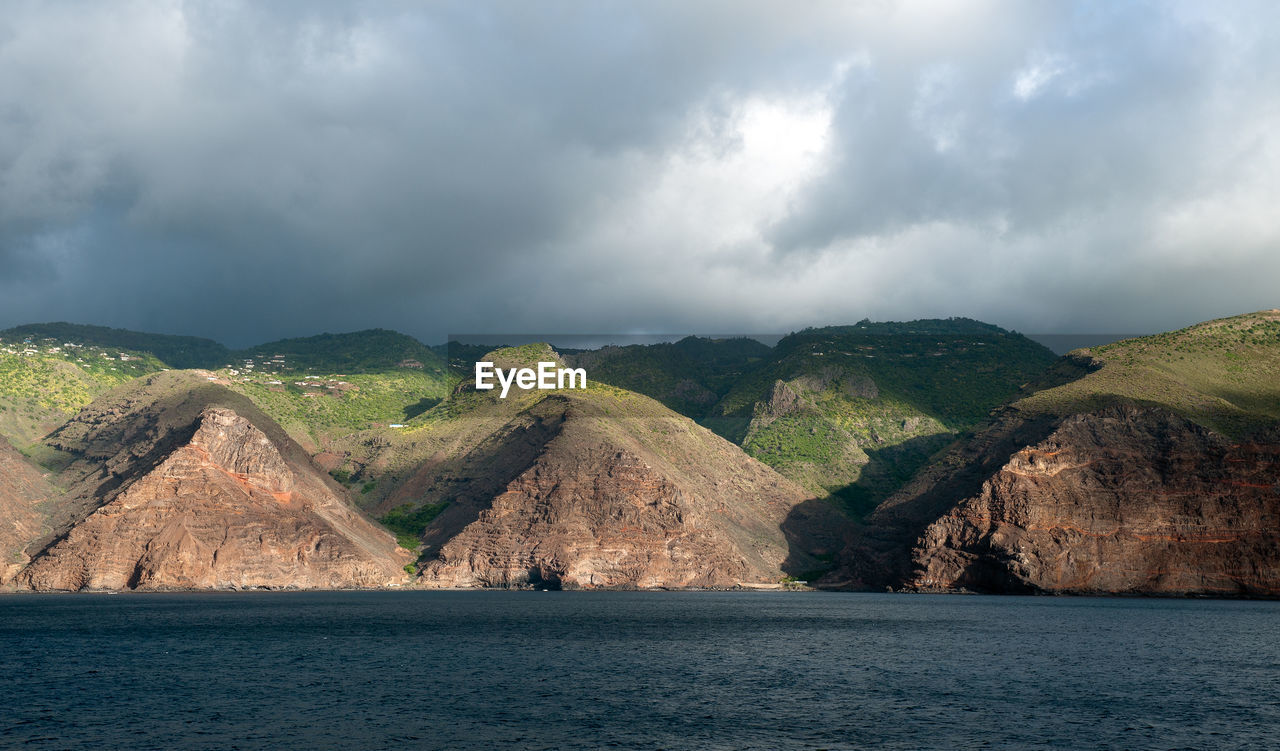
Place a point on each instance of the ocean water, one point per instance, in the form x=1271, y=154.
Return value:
x=576, y=670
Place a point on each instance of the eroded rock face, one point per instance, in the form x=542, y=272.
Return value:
x=22, y=487
x=1121, y=501
x=224, y=509
x=597, y=509
x=783, y=400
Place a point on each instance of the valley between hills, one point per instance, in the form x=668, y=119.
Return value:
x=927, y=456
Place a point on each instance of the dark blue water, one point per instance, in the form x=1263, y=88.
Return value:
x=567, y=670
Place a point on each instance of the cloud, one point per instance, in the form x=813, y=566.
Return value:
x=247, y=171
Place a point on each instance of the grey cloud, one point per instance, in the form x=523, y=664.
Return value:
x=247, y=171
x=1127, y=118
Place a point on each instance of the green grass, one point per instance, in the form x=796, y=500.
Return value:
x=341, y=403
x=370, y=351
x=953, y=377
x=408, y=523
x=387, y=378
x=44, y=383
x=1220, y=374
x=853, y=411
x=864, y=389
x=831, y=442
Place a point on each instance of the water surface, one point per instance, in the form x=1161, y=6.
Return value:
x=575, y=670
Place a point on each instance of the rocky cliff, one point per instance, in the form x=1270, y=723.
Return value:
x=601, y=488
x=598, y=508
x=22, y=489
x=1150, y=466
x=1123, y=500
x=199, y=499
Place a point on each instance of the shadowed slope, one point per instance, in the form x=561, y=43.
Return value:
x=23, y=488
x=1155, y=470
x=180, y=484
x=595, y=488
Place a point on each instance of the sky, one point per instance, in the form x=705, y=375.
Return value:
x=249, y=171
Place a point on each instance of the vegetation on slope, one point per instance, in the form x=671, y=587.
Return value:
x=408, y=523
x=322, y=388
x=855, y=410
x=45, y=381
x=1221, y=374
x=689, y=376
x=174, y=351
x=953, y=370
x=370, y=351
x=847, y=410
x=318, y=387
x=317, y=410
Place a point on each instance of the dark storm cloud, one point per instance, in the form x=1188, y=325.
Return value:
x=247, y=171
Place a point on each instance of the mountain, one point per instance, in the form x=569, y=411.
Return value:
x=963, y=457
x=319, y=388
x=1148, y=466
x=369, y=351
x=849, y=411
x=177, y=483
x=22, y=489
x=688, y=376
x=325, y=388
x=174, y=351
x=594, y=488
x=855, y=410
x=43, y=382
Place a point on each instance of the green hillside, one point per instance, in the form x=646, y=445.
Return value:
x=326, y=387
x=369, y=351
x=689, y=376
x=317, y=410
x=174, y=351
x=319, y=388
x=1223, y=374
x=45, y=381
x=954, y=370
x=856, y=410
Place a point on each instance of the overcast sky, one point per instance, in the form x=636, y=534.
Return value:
x=248, y=171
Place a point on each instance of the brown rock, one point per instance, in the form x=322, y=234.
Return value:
x=216, y=503
x=22, y=489
x=1123, y=500
x=1126, y=500
x=596, y=493
x=783, y=400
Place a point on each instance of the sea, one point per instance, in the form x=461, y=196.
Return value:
x=635, y=670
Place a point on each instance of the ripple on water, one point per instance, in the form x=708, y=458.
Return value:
x=572, y=670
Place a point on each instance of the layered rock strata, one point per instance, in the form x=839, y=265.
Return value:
x=23, y=488
x=1122, y=500
x=224, y=508
x=625, y=502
